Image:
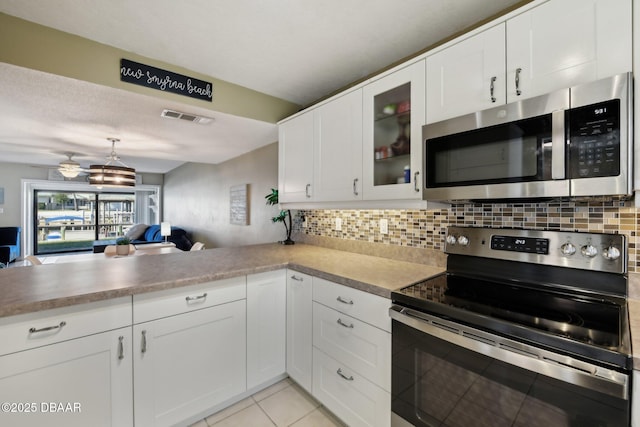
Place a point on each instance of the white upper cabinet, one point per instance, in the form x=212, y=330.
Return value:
x=295, y=159
x=558, y=44
x=564, y=43
x=467, y=77
x=393, y=115
x=338, y=149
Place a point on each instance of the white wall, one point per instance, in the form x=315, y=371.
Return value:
x=196, y=198
x=10, y=176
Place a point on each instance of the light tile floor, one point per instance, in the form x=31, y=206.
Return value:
x=283, y=404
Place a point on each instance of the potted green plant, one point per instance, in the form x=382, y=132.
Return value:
x=272, y=199
x=122, y=245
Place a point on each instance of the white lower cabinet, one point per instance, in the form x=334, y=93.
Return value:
x=351, y=354
x=266, y=326
x=354, y=399
x=69, y=366
x=299, y=328
x=189, y=351
x=364, y=347
x=187, y=364
x=81, y=382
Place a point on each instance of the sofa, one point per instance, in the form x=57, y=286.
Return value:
x=9, y=244
x=141, y=234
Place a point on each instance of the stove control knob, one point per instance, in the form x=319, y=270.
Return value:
x=463, y=240
x=589, y=251
x=451, y=239
x=611, y=253
x=568, y=249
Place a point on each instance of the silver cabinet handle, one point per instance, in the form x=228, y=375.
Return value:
x=415, y=182
x=48, y=328
x=348, y=378
x=493, y=82
x=297, y=279
x=518, y=91
x=199, y=297
x=306, y=191
x=355, y=186
x=120, y=347
x=143, y=344
x=341, y=323
x=344, y=301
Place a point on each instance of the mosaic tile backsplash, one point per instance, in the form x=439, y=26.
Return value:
x=427, y=229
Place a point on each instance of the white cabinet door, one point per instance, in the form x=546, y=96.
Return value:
x=564, y=43
x=467, y=77
x=338, y=149
x=295, y=159
x=266, y=326
x=357, y=344
x=393, y=115
x=299, y=328
x=80, y=382
x=187, y=364
x=353, y=398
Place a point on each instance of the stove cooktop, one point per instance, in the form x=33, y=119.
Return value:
x=580, y=324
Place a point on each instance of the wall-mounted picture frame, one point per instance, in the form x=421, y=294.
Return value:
x=239, y=204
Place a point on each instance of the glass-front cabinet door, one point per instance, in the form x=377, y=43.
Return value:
x=394, y=112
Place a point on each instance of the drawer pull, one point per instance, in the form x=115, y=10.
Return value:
x=199, y=297
x=120, y=348
x=344, y=301
x=348, y=378
x=341, y=323
x=48, y=328
x=143, y=344
x=297, y=279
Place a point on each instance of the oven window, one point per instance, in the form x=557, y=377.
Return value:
x=512, y=152
x=436, y=383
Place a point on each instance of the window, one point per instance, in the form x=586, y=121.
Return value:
x=67, y=216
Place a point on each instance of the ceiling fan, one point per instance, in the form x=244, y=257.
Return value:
x=70, y=168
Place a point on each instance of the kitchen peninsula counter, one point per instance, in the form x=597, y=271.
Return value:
x=42, y=287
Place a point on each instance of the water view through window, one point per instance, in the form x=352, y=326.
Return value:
x=71, y=221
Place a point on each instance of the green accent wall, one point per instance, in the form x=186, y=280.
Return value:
x=42, y=48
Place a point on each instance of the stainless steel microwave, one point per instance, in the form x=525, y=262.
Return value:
x=572, y=143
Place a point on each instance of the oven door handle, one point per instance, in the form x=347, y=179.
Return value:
x=554, y=365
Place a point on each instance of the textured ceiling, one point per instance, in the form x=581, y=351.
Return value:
x=295, y=50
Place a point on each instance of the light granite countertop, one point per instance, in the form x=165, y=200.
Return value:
x=42, y=287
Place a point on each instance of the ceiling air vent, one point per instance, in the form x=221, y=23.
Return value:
x=172, y=114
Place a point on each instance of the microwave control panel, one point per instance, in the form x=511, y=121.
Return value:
x=595, y=140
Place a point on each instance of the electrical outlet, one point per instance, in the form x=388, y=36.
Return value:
x=338, y=224
x=1, y=210
x=384, y=226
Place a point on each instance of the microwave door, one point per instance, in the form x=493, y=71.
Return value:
x=515, y=151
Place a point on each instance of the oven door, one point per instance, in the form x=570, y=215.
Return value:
x=512, y=151
x=446, y=374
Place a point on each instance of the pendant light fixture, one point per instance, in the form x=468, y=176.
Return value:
x=114, y=173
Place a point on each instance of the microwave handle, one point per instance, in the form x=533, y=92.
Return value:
x=558, y=147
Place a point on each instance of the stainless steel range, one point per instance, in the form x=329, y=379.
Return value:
x=525, y=328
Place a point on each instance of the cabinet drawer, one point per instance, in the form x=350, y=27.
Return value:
x=355, y=400
x=155, y=305
x=32, y=330
x=369, y=308
x=365, y=348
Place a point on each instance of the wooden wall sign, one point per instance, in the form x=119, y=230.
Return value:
x=167, y=81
